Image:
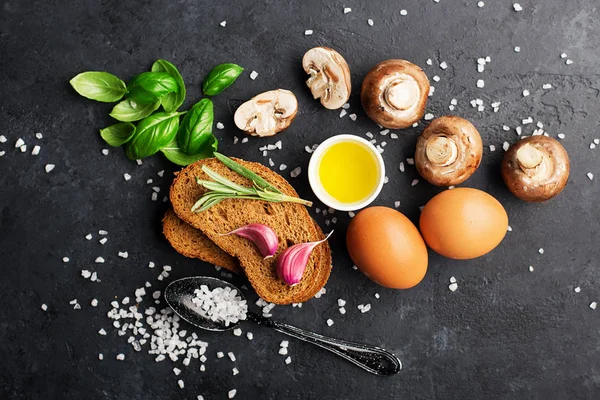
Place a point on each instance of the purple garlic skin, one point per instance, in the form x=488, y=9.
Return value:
x=292, y=262
x=261, y=235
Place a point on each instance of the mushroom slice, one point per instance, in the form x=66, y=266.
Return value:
x=536, y=168
x=329, y=76
x=394, y=93
x=448, y=151
x=267, y=113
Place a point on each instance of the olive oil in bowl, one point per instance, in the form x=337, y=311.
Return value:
x=346, y=172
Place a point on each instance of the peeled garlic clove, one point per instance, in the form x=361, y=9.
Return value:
x=261, y=235
x=292, y=262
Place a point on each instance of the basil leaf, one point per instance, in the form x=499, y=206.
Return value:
x=147, y=87
x=196, y=127
x=129, y=110
x=152, y=134
x=118, y=134
x=99, y=86
x=174, y=154
x=220, y=78
x=171, y=101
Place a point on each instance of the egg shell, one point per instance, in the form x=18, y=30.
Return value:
x=463, y=223
x=387, y=247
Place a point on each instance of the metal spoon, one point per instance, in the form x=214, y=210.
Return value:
x=179, y=295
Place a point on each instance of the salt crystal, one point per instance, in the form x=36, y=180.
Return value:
x=85, y=273
x=103, y=241
x=531, y=268
x=429, y=117
x=19, y=143
x=235, y=371
x=517, y=49
x=525, y=93
x=231, y=393
x=329, y=322
x=453, y=286
x=569, y=62
x=284, y=343
x=94, y=303
x=541, y=251
x=99, y=260
x=429, y=62
x=577, y=289
x=253, y=75
x=505, y=146
x=3, y=139
x=223, y=24
x=237, y=332
x=181, y=384
x=220, y=354
x=343, y=113
x=590, y=176
x=36, y=150
x=403, y=12
x=397, y=204
x=126, y=176
x=288, y=360
x=220, y=125
x=443, y=65
x=480, y=4
x=452, y=279
x=282, y=167
x=49, y=167
x=105, y=152
x=517, y=7
x=151, y=264
x=547, y=86
x=342, y=310
x=100, y=356
x=66, y=259
x=295, y=172
x=231, y=356
x=436, y=78
x=370, y=22
x=593, y=305
x=352, y=117
x=123, y=254
x=347, y=10
x=414, y=182
x=249, y=335
x=308, y=32
x=44, y=307
x=401, y=167
x=563, y=55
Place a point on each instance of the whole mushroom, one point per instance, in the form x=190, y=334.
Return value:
x=267, y=113
x=536, y=168
x=394, y=93
x=448, y=151
x=329, y=76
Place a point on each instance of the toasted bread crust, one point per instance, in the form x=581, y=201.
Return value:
x=192, y=243
x=291, y=222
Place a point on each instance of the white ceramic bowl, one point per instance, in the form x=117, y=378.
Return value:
x=315, y=182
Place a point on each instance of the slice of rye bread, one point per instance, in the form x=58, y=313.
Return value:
x=192, y=243
x=290, y=221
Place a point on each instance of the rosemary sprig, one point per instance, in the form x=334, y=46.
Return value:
x=245, y=172
x=221, y=188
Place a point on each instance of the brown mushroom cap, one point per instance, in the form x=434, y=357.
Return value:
x=267, y=113
x=394, y=93
x=329, y=76
x=536, y=168
x=448, y=151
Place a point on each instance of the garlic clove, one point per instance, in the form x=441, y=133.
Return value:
x=261, y=235
x=292, y=262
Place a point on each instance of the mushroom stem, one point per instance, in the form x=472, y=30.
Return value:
x=402, y=93
x=529, y=157
x=441, y=150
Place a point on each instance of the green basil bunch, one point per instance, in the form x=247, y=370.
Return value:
x=182, y=142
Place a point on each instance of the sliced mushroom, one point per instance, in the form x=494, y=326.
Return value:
x=536, y=168
x=329, y=76
x=448, y=151
x=394, y=93
x=268, y=113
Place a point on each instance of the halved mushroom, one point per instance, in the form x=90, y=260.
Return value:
x=394, y=94
x=329, y=76
x=536, y=168
x=448, y=151
x=268, y=113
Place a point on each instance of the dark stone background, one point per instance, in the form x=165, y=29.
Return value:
x=506, y=333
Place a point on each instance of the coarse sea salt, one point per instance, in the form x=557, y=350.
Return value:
x=253, y=75
x=220, y=304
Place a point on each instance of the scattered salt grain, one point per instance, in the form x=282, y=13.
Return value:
x=126, y=176
x=453, y=286
x=308, y=32
x=176, y=371
x=123, y=254
x=44, y=307
x=99, y=260
x=436, y=78
x=100, y=356
x=429, y=117
x=231, y=356
x=342, y=310
x=288, y=360
x=517, y=49
x=509, y=228
x=593, y=305
x=397, y=204
x=563, y=55
x=547, y=86
x=480, y=4
x=370, y=22
x=283, y=351
x=284, y=343
x=181, y=384
x=36, y=150
x=223, y=24
x=443, y=65
x=429, y=62
x=154, y=196
x=3, y=139
x=231, y=393
x=94, y=303
x=590, y=176
x=85, y=273
x=295, y=172
x=403, y=12
x=347, y=10
x=220, y=354
x=19, y=143
x=249, y=335
x=410, y=161
x=329, y=323
x=569, y=62
x=401, y=167
x=517, y=7
x=105, y=152
x=505, y=146
x=282, y=167
x=452, y=279
x=103, y=241
x=414, y=182
x=237, y=332
x=235, y=371
x=66, y=259
x=531, y=268
x=49, y=167
x=343, y=113
x=376, y=295
x=352, y=117
x=253, y=75
x=577, y=289
x=364, y=307
x=541, y=250
x=102, y=332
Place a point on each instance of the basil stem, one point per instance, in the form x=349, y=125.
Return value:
x=196, y=128
x=220, y=78
x=152, y=134
x=118, y=134
x=129, y=110
x=171, y=101
x=99, y=86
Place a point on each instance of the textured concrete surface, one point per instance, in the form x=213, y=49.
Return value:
x=506, y=333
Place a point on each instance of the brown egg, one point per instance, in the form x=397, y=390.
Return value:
x=463, y=223
x=387, y=247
